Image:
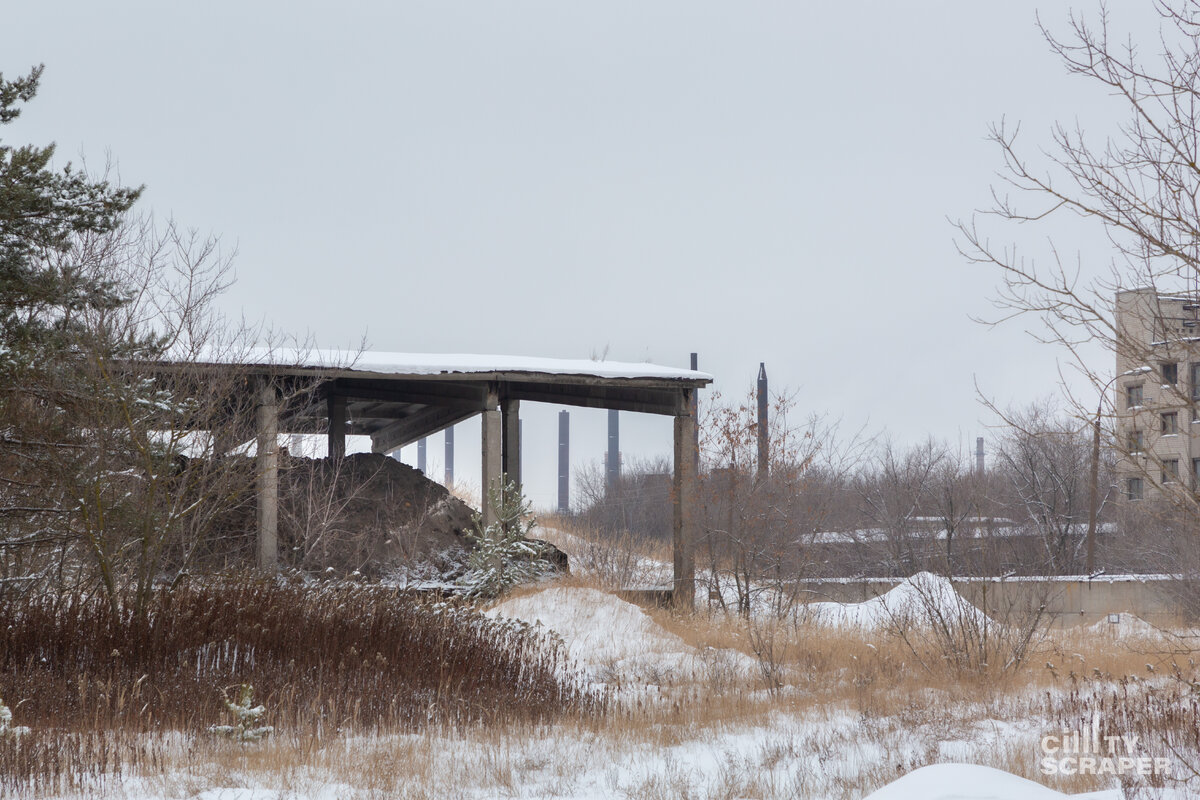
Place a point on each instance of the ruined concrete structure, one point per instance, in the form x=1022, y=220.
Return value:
x=398, y=398
x=1157, y=392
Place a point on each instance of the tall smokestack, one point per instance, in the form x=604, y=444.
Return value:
x=979, y=454
x=696, y=443
x=421, y=454
x=763, y=430
x=450, y=457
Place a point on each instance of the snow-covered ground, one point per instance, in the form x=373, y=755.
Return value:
x=616, y=643
x=936, y=747
x=971, y=782
x=691, y=721
x=914, y=601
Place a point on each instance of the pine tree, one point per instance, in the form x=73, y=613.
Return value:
x=504, y=555
x=52, y=290
x=246, y=716
x=41, y=210
x=96, y=487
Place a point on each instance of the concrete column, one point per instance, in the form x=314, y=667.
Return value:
x=492, y=464
x=685, y=493
x=449, y=458
x=564, y=462
x=267, y=475
x=510, y=446
x=336, y=406
x=612, y=462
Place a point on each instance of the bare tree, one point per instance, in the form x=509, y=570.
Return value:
x=753, y=524
x=640, y=504
x=894, y=491
x=124, y=457
x=1137, y=189
x=1046, y=461
x=1140, y=186
x=957, y=503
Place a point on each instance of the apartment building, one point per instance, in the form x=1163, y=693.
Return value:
x=1157, y=392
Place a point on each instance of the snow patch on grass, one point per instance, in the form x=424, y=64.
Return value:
x=916, y=600
x=972, y=782
x=613, y=641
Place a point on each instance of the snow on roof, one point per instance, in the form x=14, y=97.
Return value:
x=383, y=363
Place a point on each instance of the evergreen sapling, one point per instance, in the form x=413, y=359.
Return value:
x=6, y=726
x=246, y=716
x=504, y=556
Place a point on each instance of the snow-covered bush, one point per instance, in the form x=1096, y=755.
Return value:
x=246, y=715
x=6, y=726
x=504, y=556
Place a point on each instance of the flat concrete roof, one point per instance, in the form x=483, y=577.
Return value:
x=397, y=398
x=423, y=365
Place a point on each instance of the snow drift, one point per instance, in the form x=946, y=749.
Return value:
x=614, y=641
x=924, y=599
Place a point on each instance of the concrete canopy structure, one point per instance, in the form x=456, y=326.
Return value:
x=398, y=398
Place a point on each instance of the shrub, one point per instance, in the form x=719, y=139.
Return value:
x=323, y=656
x=504, y=556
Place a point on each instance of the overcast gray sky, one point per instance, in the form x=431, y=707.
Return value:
x=753, y=181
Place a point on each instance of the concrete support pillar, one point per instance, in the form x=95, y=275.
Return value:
x=564, y=462
x=510, y=445
x=267, y=472
x=612, y=461
x=449, y=458
x=492, y=462
x=336, y=406
x=685, y=495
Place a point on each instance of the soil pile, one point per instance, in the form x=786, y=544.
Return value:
x=368, y=513
x=372, y=515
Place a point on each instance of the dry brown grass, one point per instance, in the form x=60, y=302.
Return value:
x=845, y=712
x=848, y=697
x=325, y=659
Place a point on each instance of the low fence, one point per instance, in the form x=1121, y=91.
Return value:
x=1070, y=600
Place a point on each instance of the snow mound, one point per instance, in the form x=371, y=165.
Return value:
x=1128, y=626
x=971, y=782
x=923, y=599
x=616, y=642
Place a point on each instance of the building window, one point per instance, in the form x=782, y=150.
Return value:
x=1137, y=442
x=1133, y=489
x=1170, y=470
x=1170, y=373
x=1195, y=473
x=1133, y=395
x=1170, y=423
x=1195, y=370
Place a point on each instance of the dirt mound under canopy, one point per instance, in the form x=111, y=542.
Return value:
x=366, y=512
x=371, y=514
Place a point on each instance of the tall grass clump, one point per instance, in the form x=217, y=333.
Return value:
x=321, y=657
